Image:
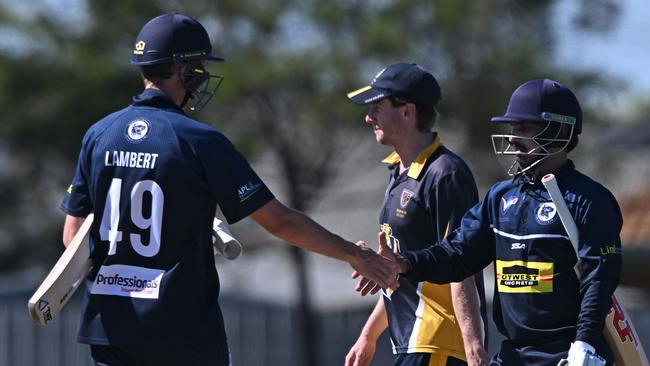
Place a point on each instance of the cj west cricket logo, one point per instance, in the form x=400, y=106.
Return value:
x=526, y=277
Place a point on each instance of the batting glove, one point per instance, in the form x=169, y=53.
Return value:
x=582, y=354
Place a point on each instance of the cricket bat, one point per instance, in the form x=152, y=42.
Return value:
x=619, y=331
x=62, y=281
x=224, y=242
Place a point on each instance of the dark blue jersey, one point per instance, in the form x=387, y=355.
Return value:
x=538, y=297
x=420, y=206
x=154, y=178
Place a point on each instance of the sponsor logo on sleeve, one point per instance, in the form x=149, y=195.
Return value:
x=246, y=191
x=127, y=281
x=546, y=213
x=137, y=130
x=610, y=249
x=524, y=277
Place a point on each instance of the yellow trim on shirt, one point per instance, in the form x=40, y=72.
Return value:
x=418, y=164
x=438, y=331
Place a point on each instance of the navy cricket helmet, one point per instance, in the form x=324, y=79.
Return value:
x=171, y=37
x=177, y=38
x=543, y=100
x=551, y=105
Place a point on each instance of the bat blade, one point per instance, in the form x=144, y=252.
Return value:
x=64, y=278
x=619, y=332
x=623, y=338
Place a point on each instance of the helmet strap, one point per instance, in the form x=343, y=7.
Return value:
x=186, y=98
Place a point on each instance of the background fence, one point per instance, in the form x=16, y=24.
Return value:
x=258, y=333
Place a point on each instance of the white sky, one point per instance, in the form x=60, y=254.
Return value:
x=624, y=52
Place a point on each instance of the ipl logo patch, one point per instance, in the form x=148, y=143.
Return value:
x=137, y=130
x=406, y=197
x=546, y=213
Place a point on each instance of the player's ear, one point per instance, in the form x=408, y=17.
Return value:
x=410, y=112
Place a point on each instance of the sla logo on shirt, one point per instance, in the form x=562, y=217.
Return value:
x=127, y=281
x=137, y=130
x=515, y=246
x=546, y=213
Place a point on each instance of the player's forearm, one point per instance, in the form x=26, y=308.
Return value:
x=594, y=307
x=377, y=322
x=70, y=228
x=437, y=264
x=464, y=251
x=598, y=280
x=467, y=309
x=298, y=229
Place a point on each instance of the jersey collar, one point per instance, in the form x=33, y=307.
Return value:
x=155, y=98
x=418, y=164
x=566, y=169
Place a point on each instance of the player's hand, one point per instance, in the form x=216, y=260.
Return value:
x=375, y=267
x=367, y=285
x=476, y=356
x=582, y=354
x=361, y=353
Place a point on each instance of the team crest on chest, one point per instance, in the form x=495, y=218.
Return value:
x=546, y=213
x=137, y=130
x=406, y=197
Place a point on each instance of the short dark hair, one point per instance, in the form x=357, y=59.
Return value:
x=158, y=73
x=426, y=115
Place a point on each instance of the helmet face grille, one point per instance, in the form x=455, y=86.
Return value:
x=549, y=141
x=200, y=84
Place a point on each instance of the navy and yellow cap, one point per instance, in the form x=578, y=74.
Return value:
x=170, y=37
x=408, y=82
x=543, y=100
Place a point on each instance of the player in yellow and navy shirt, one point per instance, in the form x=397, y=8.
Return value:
x=429, y=190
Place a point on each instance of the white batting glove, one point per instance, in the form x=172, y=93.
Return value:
x=223, y=241
x=582, y=354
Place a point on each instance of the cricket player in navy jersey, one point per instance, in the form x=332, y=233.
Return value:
x=429, y=190
x=546, y=312
x=154, y=178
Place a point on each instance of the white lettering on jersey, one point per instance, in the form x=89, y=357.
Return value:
x=130, y=159
x=515, y=246
x=127, y=281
